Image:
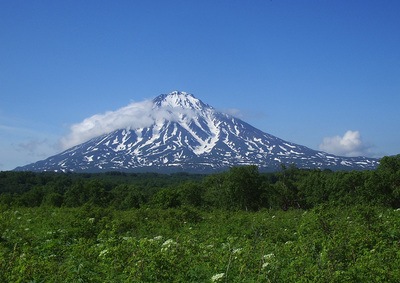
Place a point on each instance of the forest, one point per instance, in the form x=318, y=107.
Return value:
x=295, y=225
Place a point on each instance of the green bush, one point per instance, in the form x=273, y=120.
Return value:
x=94, y=244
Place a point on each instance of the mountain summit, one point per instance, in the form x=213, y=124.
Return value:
x=179, y=99
x=186, y=134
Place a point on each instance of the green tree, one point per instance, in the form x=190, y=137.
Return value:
x=126, y=196
x=389, y=169
x=191, y=193
x=313, y=188
x=244, y=187
x=33, y=197
x=391, y=163
x=376, y=189
x=286, y=188
x=8, y=199
x=216, y=192
x=166, y=198
x=96, y=193
x=53, y=199
x=75, y=196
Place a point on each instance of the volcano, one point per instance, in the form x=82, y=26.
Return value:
x=193, y=137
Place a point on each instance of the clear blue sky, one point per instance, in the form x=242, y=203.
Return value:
x=324, y=74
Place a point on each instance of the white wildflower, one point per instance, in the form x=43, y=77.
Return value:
x=103, y=252
x=269, y=256
x=225, y=246
x=167, y=244
x=237, y=250
x=91, y=220
x=218, y=276
x=265, y=264
x=156, y=238
x=139, y=262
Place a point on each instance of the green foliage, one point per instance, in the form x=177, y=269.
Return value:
x=95, y=244
x=244, y=186
x=240, y=188
x=216, y=193
x=53, y=199
x=389, y=167
x=391, y=163
x=166, y=198
x=126, y=196
x=236, y=226
x=191, y=193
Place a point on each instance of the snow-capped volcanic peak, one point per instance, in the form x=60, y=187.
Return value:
x=178, y=132
x=192, y=115
x=179, y=99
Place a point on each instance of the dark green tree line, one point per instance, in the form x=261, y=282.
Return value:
x=239, y=188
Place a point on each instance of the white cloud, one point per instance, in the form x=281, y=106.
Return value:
x=20, y=146
x=20, y=154
x=135, y=115
x=242, y=114
x=35, y=147
x=234, y=112
x=350, y=144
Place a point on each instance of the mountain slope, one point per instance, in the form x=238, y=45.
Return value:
x=189, y=135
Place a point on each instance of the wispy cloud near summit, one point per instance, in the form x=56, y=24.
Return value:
x=135, y=115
